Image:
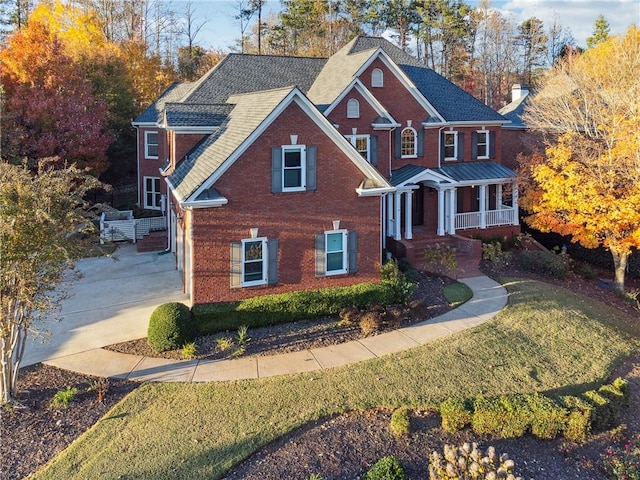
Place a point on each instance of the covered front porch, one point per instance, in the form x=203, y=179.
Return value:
x=453, y=199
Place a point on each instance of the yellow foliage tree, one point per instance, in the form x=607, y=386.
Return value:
x=588, y=183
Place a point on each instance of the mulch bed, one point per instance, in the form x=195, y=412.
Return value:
x=340, y=447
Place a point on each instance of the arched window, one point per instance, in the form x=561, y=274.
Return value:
x=408, y=142
x=377, y=78
x=353, y=108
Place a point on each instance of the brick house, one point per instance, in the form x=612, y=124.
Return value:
x=286, y=173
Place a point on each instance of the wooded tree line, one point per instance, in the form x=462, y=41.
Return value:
x=480, y=49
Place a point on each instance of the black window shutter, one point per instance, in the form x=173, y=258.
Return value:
x=373, y=153
x=312, y=160
x=397, y=138
x=442, y=146
x=474, y=145
x=460, y=152
x=420, y=149
x=236, y=264
x=276, y=169
x=272, y=252
x=320, y=257
x=352, y=251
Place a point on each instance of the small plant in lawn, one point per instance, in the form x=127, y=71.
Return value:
x=224, y=343
x=63, y=398
x=387, y=468
x=314, y=476
x=401, y=421
x=189, y=350
x=468, y=461
x=101, y=387
x=440, y=259
x=623, y=463
x=633, y=297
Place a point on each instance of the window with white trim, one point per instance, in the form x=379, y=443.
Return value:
x=450, y=145
x=254, y=261
x=377, y=78
x=152, y=194
x=408, y=143
x=362, y=145
x=335, y=252
x=353, y=108
x=482, y=143
x=293, y=168
x=151, y=145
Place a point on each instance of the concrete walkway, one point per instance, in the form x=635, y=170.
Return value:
x=489, y=297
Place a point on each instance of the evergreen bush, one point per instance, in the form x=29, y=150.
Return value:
x=170, y=327
x=387, y=468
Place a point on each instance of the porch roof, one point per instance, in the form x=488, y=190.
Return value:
x=412, y=174
x=476, y=171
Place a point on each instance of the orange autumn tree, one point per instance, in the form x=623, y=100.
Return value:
x=587, y=184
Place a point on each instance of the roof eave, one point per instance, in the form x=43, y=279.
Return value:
x=374, y=192
x=218, y=202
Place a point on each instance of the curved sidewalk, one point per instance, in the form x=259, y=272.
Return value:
x=489, y=297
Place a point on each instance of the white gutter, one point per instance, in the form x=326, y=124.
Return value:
x=374, y=192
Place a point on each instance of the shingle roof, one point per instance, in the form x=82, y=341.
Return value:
x=248, y=112
x=470, y=171
x=154, y=112
x=238, y=73
x=196, y=115
x=514, y=110
x=452, y=102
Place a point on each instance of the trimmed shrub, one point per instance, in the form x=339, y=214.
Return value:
x=401, y=421
x=456, y=414
x=502, y=417
x=544, y=263
x=578, y=424
x=170, y=327
x=622, y=385
x=548, y=418
x=288, y=307
x=387, y=468
x=604, y=410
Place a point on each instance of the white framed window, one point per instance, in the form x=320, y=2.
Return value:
x=293, y=168
x=353, y=108
x=151, y=145
x=482, y=144
x=362, y=144
x=450, y=145
x=335, y=252
x=152, y=195
x=408, y=140
x=377, y=78
x=254, y=261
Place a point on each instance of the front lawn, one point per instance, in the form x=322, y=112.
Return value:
x=547, y=339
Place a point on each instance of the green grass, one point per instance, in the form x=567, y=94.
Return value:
x=545, y=340
x=457, y=293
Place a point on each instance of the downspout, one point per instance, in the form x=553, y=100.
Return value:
x=191, y=256
x=138, y=164
x=168, y=213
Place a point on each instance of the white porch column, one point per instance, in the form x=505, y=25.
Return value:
x=483, y=206
x=389, y=200
x=396, y=216
x=498, y=196
x=514, y=196
x=408, y=207
x=451, y=205
x=441, y=228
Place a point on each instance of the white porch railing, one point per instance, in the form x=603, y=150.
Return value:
x=122, y=226
x=493, y=218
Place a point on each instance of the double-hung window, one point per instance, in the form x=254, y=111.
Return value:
x=254, y=261
x=335, y=252
x=362, y=145
x=450, y=145
x=152, y=194
x=293, y=168
x=482, y=144
x=151, y=145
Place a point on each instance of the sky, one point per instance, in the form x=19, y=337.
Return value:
x=221, y=29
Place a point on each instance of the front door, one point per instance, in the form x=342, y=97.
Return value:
x=417, y=204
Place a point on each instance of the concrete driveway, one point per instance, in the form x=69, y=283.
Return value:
x=111, y=303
